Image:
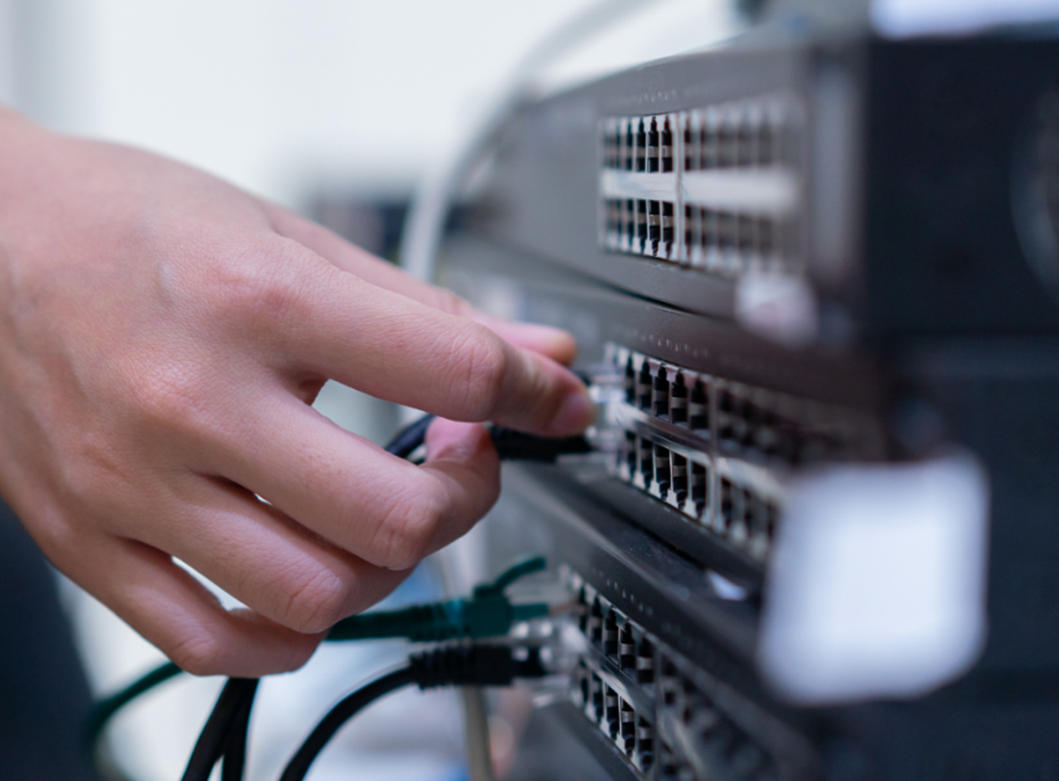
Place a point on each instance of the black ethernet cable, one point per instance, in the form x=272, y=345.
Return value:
x=235, y=700
x=460, y=665
x=234, y=759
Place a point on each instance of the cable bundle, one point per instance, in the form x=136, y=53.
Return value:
x=487, y=613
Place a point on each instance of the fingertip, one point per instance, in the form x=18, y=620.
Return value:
x=575, y=414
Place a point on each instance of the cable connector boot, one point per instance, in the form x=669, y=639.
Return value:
x=487, y=613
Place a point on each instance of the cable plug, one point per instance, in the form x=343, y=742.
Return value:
x=514, y=445
x=475, y=665
x=487, y=613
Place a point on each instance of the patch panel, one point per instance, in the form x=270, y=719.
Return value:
x=715, y=449
x=668, y=722
x=714, y=189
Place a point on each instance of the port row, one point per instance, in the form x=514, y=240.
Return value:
x=641, y=226
x=639, y=144
x=738, y=512
x=745, y=421
x=752, y=133
x=732, y=244
x=738, y=134
x=709, y=740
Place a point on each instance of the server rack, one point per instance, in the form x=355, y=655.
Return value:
x=894, y=203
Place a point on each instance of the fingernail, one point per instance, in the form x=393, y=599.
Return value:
x=574, y=415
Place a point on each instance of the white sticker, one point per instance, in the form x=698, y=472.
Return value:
x=910, y=18
x=876, y=587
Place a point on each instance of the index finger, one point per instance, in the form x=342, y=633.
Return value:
x=553, y=342
x=319, y=321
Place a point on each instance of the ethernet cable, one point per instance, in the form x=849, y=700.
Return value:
x=459, y=665
x=488, y=612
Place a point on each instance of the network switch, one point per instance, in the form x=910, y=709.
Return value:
x=663, y=215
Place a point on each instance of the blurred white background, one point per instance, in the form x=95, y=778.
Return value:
x=290, y=99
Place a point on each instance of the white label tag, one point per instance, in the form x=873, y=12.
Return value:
x=910, y=18
x=876, y=586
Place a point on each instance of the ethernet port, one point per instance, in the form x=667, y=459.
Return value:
x=745, y=235
x=654, y=225
x=630, y=454
x=691, y=228
x=744, y=140
x=728, y=499
x=612, y=711
x=678, y=475
x=698, y=486
x=584, y=603
x=758, y=525
x=660, y=396
x=645, y=449
x=669, y=682
x=666, y=151
x=671, y=765
x=630, y=381
x=728, y=410
x=766, y=242
x=753, y=420
x=667, y=227
x=662, y=474
x=641, y=226
x=644, y=387
x=628, y=148
x=630, y=222
x=710, y=137
x=741, y=516
x=627, y=648
x=711, y=239
x=766, y=144
x=691, y=136
x=653, y=163
x=726, y=232
x=599, y=705
x=610, y=632
x=584, y=689
x=678, y=401
x=726, y=144
x=699, y=407
x=766, y=435
x=628, y=727
x=641, y=147
x=645, y=661
x=595, y=621
x=644, y=744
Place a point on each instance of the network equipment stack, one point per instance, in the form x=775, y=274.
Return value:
x=812, y=246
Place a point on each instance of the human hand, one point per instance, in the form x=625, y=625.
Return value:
x=162, y=336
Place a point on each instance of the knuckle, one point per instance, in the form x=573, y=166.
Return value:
x=407, y=531
x=315, y=600
x=256, y=287
x=481, y=373
x=168, y=395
